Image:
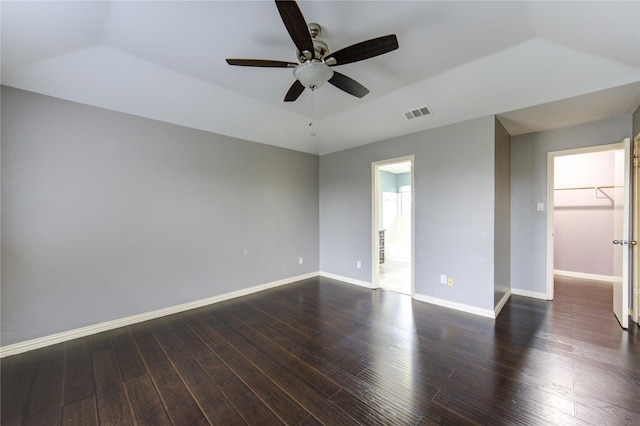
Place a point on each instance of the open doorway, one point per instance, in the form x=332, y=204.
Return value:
x=584, y=213
x=393, y=225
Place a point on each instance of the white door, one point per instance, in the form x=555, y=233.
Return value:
x=621, y=229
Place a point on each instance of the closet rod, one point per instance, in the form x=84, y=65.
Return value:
x=584, y=187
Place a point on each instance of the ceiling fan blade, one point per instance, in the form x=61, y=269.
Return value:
x=348, y=84
x=364, y=50
x=294, y=92
x=296, y=25
x=261, y=63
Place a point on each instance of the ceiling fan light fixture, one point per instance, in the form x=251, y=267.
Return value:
x=313, y=74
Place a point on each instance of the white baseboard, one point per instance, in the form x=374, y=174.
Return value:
x=583, y=275
x=433, y=300
x=528, y=293
x=501, y=303
x=346, y=279
x=457, y=306
x=53, y=339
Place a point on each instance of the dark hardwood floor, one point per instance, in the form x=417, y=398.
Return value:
x=322, y=352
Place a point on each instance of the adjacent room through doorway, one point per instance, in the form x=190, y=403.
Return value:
x=588, y=212
x=394, y=224
x=583, y=215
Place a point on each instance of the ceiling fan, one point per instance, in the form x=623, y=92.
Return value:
x=314, y=69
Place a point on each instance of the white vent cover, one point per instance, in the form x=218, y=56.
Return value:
x=420, y=112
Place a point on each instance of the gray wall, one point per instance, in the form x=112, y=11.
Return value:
x=107, y=215
x=529, y=186
x=502, y=246
x=454, y=209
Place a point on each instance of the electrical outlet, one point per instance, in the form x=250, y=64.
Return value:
x=450, y=282
x=443, y=279
x=358, y=264
x=300, y=260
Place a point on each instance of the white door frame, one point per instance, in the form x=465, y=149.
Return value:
x=550, y=202
x=375, y=208
x=622, y=282
x=635, y=249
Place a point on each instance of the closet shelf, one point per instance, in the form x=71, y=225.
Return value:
x=584, y=187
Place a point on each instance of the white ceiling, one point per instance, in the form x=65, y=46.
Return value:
x=397, y=168
x=539, y=65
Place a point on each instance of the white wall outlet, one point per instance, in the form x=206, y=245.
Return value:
x=300, y=260
x=443, y=279
x=358, y=264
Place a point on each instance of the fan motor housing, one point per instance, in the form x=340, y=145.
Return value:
x=320, y=46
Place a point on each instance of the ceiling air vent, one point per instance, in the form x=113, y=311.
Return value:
x=420, y=112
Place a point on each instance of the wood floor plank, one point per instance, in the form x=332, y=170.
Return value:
x=129, y=359
x=176, y=338
x=368, y=415
x=146, y=404
x=362, y=390
x=508, y=395
x=281, y=403
x=112, y=402
x=16, y=386
x=606, y=414
x=211, y=400
x=307, y=396
x=461, y=404
x=46, y=396
x=340, y=354
x=99, y=342
x=314, y=378
x=309, y=421
x=374, y=391
x=180, y=405
x=246, y=403
x=78, y=372
x=80, y=413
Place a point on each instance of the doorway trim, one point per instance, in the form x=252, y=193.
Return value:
x=550, y=203
x=635, y=196
x=375, y=209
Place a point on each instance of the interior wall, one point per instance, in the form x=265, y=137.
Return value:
x=529, y=187
x=583, y=218
x=107, y=215
x=502, y=245
x=454, y=210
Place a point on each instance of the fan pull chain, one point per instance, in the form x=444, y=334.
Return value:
x=313, y=132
